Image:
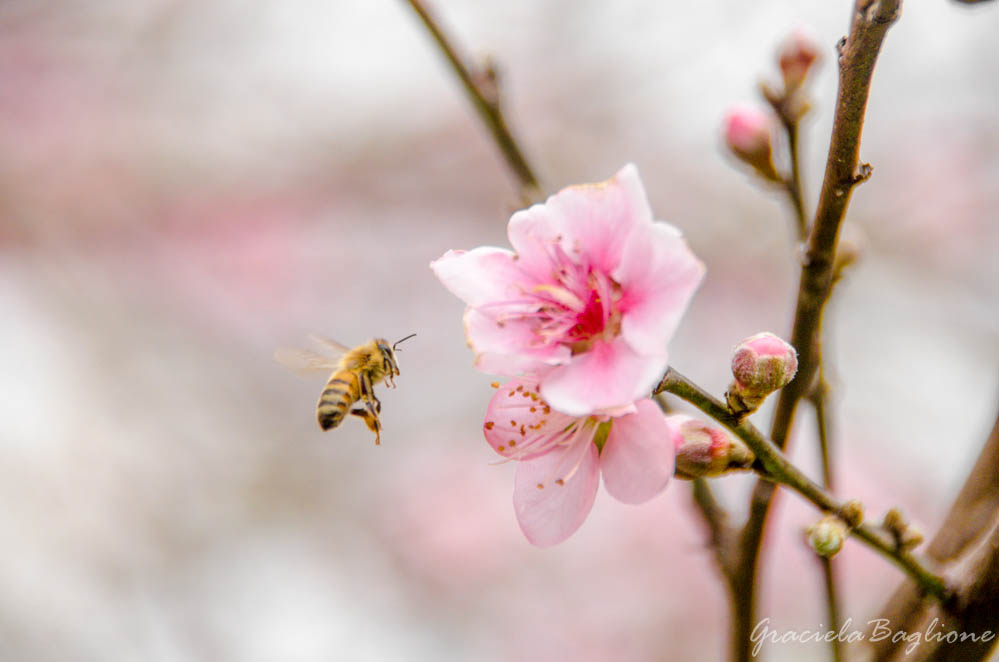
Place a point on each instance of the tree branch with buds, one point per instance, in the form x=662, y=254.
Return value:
x=482, y=88
x=870, y=23
x=777, y=469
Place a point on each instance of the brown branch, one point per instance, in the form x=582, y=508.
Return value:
x=483, y=91
x=869, y=25
x=792, y=182
x=716, y=517
x=975, y=512
x=776, y=468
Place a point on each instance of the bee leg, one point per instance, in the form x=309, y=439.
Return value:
x=389, y=372
x=372, y=407
x=370, y=417
x=368, y=393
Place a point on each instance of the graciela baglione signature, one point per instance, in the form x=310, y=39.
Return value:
x=878, y=629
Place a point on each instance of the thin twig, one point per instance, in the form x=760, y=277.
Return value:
x=832, y=605
x=820, y=398
x=717, y=519
x=793, y=183
x=486, y=101
x=869, y=25
x=776, y=468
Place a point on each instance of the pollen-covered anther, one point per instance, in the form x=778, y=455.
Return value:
x=512, y=443
x=513, y=423
x=533, y=409
x=489, y=425
x=501, y=448
x=540, y=486
x=523, y=431
x=560, y=482
x=520, y=387
x=494, y=384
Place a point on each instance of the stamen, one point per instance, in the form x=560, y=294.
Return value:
x=562, y=296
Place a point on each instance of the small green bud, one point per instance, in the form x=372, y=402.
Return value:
x=827, y=535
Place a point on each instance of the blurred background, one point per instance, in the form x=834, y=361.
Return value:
x=185, y=186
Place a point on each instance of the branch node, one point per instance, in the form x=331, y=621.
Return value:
x=487, y=81
x=852, y=513
x=862, y=173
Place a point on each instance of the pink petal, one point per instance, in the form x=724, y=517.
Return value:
x=637, y=460
x=591, y=223
x=480, y=276
x=658, y=277
x=533, y=232
x=610, y=375
x=509, y=348
x=519, y=424
x=551, y=513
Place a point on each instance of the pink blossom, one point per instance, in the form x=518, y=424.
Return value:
x=747, y=133
x=562, y=457
x=588, y=300
x=797, y=55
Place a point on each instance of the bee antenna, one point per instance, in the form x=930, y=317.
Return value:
x=399, y=341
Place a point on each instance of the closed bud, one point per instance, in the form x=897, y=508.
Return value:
x=912, y=538
x=852, y=513
x=764, y=363
x=704, y=450
x=796, y=57
x=895, y=522
x=827, y=535
x=906, y=535
x=748, y=135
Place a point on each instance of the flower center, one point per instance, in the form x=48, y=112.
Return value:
x=577, y=307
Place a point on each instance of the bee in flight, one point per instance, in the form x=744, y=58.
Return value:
x=355, y=373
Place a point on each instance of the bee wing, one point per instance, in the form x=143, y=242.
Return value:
x=303, y=361
x=329, y=344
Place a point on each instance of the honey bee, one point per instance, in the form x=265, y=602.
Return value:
x=355, y=372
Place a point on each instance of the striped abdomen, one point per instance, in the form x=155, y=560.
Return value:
x=342, y=390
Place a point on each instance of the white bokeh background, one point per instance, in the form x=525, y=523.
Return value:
x=185, y=186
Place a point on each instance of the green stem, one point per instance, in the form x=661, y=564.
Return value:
x=777, y=469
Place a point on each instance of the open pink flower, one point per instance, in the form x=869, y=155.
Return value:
x=587, y=302
x=562, y=457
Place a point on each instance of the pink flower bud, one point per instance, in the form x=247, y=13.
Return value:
x=748, y=135
x=796, y=56
x=827, y=535
x=764, y=363
x=761, y=364
x=703, y=449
